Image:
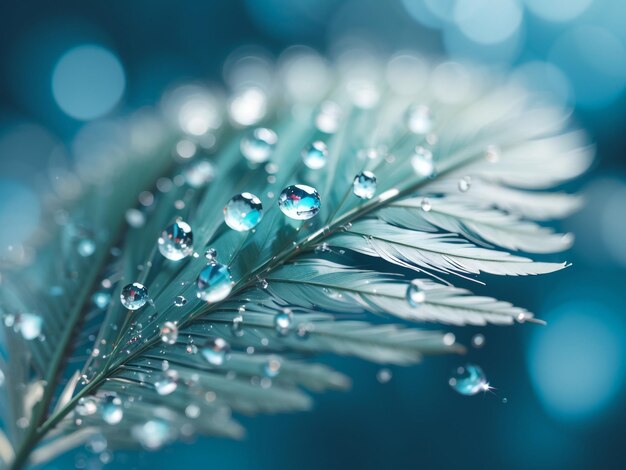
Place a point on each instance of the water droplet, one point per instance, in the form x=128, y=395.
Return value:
x=478, y=341
x=134, y=296
x=282, y=321
x=426, y=205
x=272, y=367
x=166, y=383
x=315, y=155
x=29, y=325
x=237, y=326
x=299, y=202
x=469, y=380
x=419, y=119
x=86, y=247
x=214, y=283
x=243, y=212
x=179, y=301
x=493, y=153
x=383, y=376
x=505, y=401
x=169, y=332
x=176, y=241
x=152, y=434
x=86, y=406
x=199, y=173
x=415, y=295
x=135, y=218
x=364, y=185
x=328, y=117
x=257, y=146
x=215, y=351
x=101, y=299
x=323, y=248
x=464, y=184
x=111, y=409
x=422, y=161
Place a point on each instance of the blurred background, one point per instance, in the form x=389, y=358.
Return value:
x=559, y=390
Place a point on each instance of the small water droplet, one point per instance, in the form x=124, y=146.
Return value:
x=505, y=401
x=211, y=254
x=315, y=155
x=271, y=368
x=86, y=247
x=215, y=351
x=169, y=332
x=179, y=301
x=464, y=184
x=299, y=201
x=101, y=299
x=243, y=212
x=86, y=406
x=111, y=409
x=364, y=185
x=383, y=376
x=283, y=321
x=323, y=248
x=422, y=161
x=478, y=341
x=258, y=145
x=214, y=283
x=237, y=326
x=469, y=380
x=419, y=119
x=176, y=241
x=426, y=205
x=199, y=173
x=134, y=296
x=415, y=294
x=167, y=382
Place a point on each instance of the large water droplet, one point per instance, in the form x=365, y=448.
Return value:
x=422, y=161
x=415, y=295
x=257, y=146
x=215, y=351
x=176, y=241
x=364, y=185
x=134, y=296
x=243, y=212
x=299, y=201
x=199, y=173
x=169, y=332
x=419, y=120
x=469, y=380
x=26, y=324
x=111, y=409
x=214, y=283
x=283, y=321
x=315, y=155
x=152, y=434
x=166, y=382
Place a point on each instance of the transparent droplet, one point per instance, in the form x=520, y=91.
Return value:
x=422, y=161
x=328, y=117
x=364, y=185
x=134, y=296
x=283, y=321
x=237, y=326
x=469, y=380
x=153, y=434
x=464, y=184
x=169, y=332
x=135, y=218
x=299, y=202
x=505, y=401
x=426, y=205
x=111, y=409
x=478, y=341
x=179, y=301
x=258, y=145
x=86, y=406
x=383, y=376
x=272, y=367
x=101, y=299
x=243, y=212
x=28, y=325
x=492, y=153
x=176, y=241
x=419, y=119
x=214, y=283
x=86, y=247
x=315, y=155
x=167, y=382
x=415, y=295
x=215, y=351
x=199, y=173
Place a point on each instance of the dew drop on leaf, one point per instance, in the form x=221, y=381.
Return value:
x=134, y=296
x=283, y=321
x=415, y=295
x=166, y=383
x=179, y=301
x=426, y=205
x=422, y=161
x=111, y=409
x=210, y=254
x=364, y=185
x=299, y=202
x=176, y=241
x=419, y=119
x=214, y=283
x=315, y=155
x=464, y=184
x=215, y=351
x=243, y=212
x=258, y=145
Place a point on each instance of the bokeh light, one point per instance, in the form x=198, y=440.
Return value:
x=20, y=210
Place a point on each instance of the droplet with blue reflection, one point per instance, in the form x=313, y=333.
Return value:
x=299, y=201
x=243, y=212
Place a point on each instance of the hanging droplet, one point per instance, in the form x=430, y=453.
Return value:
x=179, y=301
x=215, y=351
x=28, y=325
x=415, y=295
x=419, y=119
x=272, y=367
x=258, y=145
x=111, y=409
x=152, y=434
x=167, y=382
x=176, y=241
x=169, y=332
x=469, y=380
x=299, y=201
x=101, y=299
x=464, y=184
x=315, y=155
x=199, y=173
x=86, y=406
x=283, y=321
x=243, y=212
x=86, y=247
x=422, y=161
x=214, y=283
x=364, y=185
x=426, y=205
x=134, y=296
x=478, y=341
x=328, y=117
